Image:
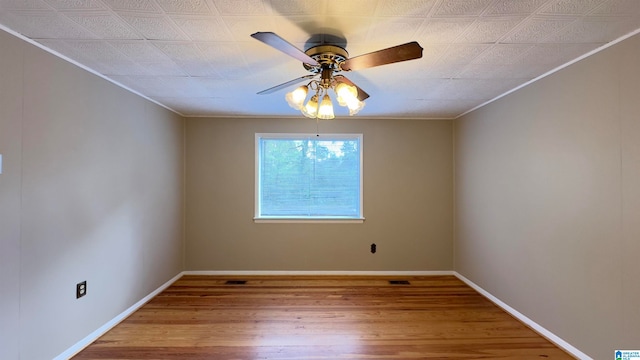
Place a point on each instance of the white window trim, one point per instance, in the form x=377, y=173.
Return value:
x=291, y=219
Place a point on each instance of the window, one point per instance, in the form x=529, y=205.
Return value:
x=308, y=177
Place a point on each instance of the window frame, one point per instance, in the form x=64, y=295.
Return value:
x=311, y=219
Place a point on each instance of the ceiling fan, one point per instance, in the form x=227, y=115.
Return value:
x=325, y=62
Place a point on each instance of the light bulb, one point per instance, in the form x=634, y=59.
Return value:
x=295, y=98
x=326, y=108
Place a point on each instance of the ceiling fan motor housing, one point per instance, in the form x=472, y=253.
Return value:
x=328, y=56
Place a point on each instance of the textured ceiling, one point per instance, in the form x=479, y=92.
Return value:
x=197, y=58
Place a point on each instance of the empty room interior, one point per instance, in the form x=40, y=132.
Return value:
x=488, y=147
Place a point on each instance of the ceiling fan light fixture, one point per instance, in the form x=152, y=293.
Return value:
x=325, y=111
x=296, y=98
x=310, y=110
x=326, y=59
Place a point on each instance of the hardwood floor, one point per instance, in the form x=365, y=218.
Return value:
x=320, y=317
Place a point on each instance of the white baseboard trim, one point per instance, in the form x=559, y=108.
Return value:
x=532, y=324
x=80, y=345
x=315, y=273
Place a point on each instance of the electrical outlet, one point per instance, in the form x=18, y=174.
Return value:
x=81, y=289
x=373, y=248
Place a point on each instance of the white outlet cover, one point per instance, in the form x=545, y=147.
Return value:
x=0, y=163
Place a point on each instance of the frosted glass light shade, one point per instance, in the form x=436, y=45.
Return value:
x=310, y=110
x=346, y=93
x=295, y=98
x=355, y=106
x=326, y=108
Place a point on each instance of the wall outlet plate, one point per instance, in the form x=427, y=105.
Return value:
x=81, y=289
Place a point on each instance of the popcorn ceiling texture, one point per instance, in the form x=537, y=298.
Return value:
x=196, y=57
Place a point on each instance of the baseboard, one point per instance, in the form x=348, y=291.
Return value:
x=79, y=346
x=532, y=324
x=315, y=273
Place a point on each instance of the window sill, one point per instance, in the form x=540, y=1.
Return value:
x=309, y=220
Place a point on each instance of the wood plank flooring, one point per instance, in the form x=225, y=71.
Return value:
x=320, y=317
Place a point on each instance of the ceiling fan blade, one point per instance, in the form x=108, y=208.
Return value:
x=408, y=51
x=278, y=43
x=284, y=85
x=362, y=95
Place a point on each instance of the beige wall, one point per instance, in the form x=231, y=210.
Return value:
x=92, y=190
x=11, y=69
x=407, y=200
x=548, y=202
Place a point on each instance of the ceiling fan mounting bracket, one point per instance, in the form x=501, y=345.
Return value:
x=328, y=56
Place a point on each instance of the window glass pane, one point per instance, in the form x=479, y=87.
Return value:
x=309, y=177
